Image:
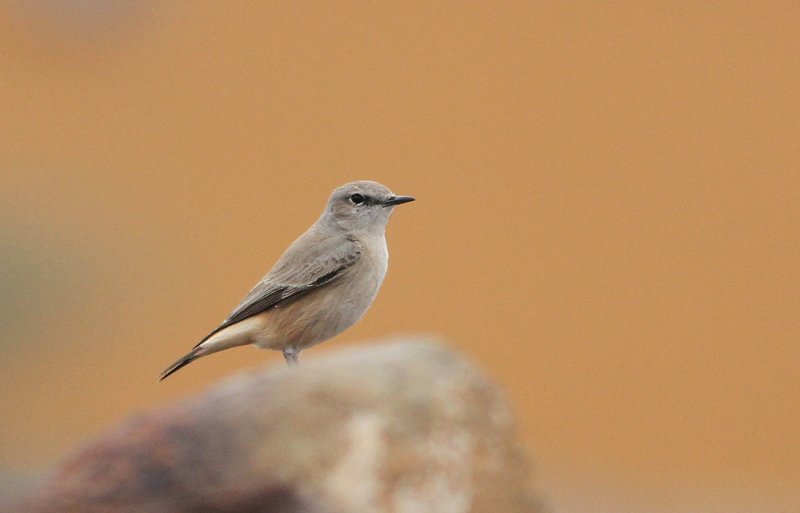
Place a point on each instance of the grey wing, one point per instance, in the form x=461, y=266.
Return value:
x=301, y=269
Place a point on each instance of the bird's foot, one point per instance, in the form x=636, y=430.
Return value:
x=292, y=357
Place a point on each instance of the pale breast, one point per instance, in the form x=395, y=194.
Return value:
x=328, y=311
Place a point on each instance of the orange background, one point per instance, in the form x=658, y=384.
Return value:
x=607, y=216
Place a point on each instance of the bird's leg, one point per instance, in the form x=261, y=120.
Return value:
x=292, y=357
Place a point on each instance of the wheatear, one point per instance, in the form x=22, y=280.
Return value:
x=323, y=283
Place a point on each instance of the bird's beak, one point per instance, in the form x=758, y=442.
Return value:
x=396, y=200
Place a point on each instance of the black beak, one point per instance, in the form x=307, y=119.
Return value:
x=396, y=200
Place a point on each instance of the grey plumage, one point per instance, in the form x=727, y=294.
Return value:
x=321, y=285
x=326, y=260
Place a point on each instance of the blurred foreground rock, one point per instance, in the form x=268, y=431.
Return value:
x=406, y=427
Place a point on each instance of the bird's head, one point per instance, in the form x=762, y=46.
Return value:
x=362, y=206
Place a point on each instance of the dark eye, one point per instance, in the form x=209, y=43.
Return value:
x=357, y=199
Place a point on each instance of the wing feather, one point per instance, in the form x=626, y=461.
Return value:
x=304, y=267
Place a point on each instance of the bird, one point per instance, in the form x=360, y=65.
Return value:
x=323, y=283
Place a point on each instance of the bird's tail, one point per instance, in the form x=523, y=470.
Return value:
x=235, y=335
x=185, y=360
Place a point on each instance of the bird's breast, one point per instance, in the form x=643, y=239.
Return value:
x=360, y=286
x=331, y=309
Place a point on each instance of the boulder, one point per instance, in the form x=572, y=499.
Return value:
x=406, y=427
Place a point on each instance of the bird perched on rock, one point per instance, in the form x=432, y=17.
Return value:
x=324, y=282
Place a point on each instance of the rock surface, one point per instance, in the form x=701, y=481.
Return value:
x=406, y=427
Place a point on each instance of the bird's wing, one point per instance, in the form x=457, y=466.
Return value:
x=301, y=269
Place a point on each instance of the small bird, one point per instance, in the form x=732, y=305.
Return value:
x=321, y=285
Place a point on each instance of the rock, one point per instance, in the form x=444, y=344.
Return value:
x=406, y=427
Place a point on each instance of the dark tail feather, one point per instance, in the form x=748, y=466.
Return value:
x=184, y=361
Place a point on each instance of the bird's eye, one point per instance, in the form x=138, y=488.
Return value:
x=357, y=199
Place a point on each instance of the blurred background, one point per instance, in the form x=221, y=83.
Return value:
x=608, y=217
